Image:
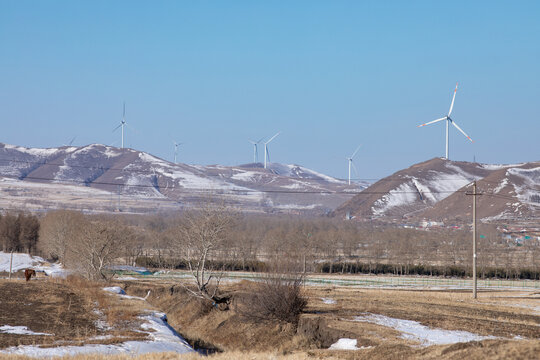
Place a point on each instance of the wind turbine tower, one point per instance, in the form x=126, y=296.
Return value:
x=448, y=122
x=176, y=145
x=255, y=150
x=266, y=153
x=350, y=160
x=122, y=124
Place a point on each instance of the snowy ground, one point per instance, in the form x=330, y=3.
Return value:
x=347, y=344
x=413, y=330
x=162, y=338
x=19, y=330
x=25, y=261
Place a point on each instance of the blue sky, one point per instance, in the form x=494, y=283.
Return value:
x=329, y=74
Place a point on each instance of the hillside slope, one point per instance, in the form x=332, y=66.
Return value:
x=104, y=177
x=435, y=189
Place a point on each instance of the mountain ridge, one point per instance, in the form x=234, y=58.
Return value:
x=435, y=189
x=142, y=175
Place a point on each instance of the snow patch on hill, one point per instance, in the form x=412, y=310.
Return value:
x=33, y=151
x=404, y=194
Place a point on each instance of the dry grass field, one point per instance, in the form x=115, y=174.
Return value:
x=72, y=312
x=509, y=320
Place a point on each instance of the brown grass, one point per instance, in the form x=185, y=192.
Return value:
x=501, y=314
x=66, y=309
x=492, y=349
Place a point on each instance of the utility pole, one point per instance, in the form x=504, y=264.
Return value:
x=474, y=195
x=10, y=264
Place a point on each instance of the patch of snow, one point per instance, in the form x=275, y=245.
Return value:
x=404, y=194
x=413, y=330
x=247, y=176
x=25, y=261
x=19, y=330
x=111, y=152
x=293, y=170
x=295, y=185
x=501, y=186
x=531, y=184
x=347, y=344
x=163, y=339
x=71, y=189
x=33, y=151
x=115, y=290
x=328, y=301
x=499, y=166
x=297, y=207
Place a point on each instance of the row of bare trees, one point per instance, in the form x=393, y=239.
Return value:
x=19, y=232
x=219, y=235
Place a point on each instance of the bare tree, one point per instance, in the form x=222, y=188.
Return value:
x=29, y=232
x=57, y=230
x=201, y=233
x=10, y=228
x=96, y=246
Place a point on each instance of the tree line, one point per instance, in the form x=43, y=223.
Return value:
x=19, y=232
x=92, y=243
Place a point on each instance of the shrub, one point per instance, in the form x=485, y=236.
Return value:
x=277, y=297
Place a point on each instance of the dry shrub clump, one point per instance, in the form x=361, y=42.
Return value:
x=276, y=298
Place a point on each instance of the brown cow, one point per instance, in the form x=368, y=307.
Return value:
x=28, y=273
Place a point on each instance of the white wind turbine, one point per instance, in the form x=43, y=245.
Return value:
x=122, y=124
x=176, y=145
x=449, y=121
x=255, y=150
x=350, y=160
x=266, y=153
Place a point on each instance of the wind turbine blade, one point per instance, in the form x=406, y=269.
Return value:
x=124, y=112
x=433, y=122
x=116, y=128
x=355, y=151
x=453, y=98
x=273, y=137
x=252, y=142
x=355, y=169
x=261, y=139
x=71, y=142
x=267, y=154
x=463, y=132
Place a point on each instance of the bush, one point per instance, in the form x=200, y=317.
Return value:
x=278, y=297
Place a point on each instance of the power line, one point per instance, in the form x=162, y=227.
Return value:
x=152, y=171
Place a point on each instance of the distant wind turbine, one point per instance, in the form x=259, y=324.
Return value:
x=255, y=150
x=350, y=160
x=122, y=124
x=449, y=121
x=176, y=145
x=266, y=153
x=71, y=141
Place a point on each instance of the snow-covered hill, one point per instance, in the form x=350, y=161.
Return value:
x=122, y=176
x=435, y=189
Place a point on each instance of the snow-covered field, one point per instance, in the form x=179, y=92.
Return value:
x=163, y=338
x=25, y=261
x=413, y=330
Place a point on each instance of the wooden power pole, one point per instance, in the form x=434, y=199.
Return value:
x=474, y=195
